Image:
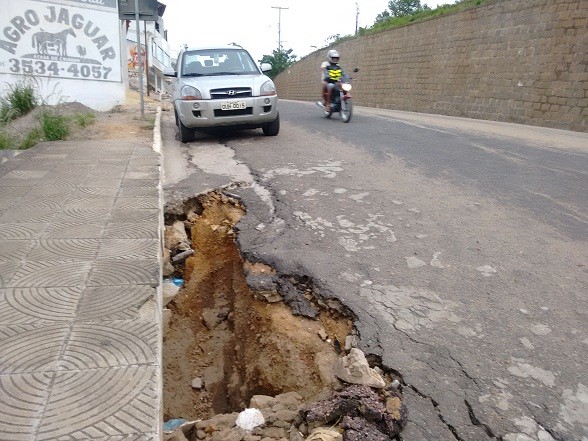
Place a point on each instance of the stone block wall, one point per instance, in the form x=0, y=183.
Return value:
x=520, y=61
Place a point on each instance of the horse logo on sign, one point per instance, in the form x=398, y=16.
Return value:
x=52, y=43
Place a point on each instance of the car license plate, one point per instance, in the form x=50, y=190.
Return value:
x=233, y=105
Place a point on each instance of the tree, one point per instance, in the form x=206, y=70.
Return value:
x=385, y=15
x=400, y=8
x=280, y=61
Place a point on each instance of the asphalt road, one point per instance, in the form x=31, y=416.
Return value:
x=460, y=245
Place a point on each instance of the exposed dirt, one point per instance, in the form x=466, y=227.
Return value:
x=240, y=342
x=121, y=122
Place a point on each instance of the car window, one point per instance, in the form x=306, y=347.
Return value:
x=218, y=62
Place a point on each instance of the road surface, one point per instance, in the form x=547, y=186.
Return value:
x=460, y=245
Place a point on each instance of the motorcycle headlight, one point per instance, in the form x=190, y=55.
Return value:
x=190, y=93
x=346, y=87
x=268, y=88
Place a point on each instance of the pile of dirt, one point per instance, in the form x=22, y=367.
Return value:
x=121, y=122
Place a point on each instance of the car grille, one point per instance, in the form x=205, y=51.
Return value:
x=221, y=113
x=230, y=92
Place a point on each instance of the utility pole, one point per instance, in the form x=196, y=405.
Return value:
x=356, y=17
x=279, y=8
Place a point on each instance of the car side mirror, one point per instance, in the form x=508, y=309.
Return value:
x=169, y=72
x=265, y=67
x=356, y=69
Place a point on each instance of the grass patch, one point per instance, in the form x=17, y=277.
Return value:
x=20, y=100
x=54, y=126
x=6, y=142
x=32, y=138
x=425, y=14
x=84, y=119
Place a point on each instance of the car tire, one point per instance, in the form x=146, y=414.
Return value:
x=186, y=134
x=272, y=128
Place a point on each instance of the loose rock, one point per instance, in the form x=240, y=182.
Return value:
x=355, y=369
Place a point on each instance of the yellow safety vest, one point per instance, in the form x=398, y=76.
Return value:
x=335, y=73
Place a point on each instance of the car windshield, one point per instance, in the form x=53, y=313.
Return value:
x=218, y=62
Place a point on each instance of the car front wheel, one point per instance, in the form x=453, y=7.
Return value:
x=272, y=128
x=186, y=134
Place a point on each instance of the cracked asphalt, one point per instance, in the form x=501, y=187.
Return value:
x=460, y=245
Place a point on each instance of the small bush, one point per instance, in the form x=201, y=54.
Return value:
x=6, y=142
x=21, y=98
x=84, y=119
x=54, y=126
x=33, y=138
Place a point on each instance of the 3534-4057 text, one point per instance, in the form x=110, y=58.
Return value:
x=74, y=70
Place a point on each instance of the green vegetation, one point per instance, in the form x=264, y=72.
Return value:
x=33, y=137
x=404, y=12
x=280, y=60
x=6, y=141
x=54, y=126
x=84, y=119
x=20, y=100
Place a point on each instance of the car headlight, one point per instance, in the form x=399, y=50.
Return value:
x=346, y=87
x=189, y=93
x=268, y=88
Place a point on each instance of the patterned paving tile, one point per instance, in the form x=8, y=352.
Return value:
x=121, y=272
x=138, y=203
x=64, y=250
x=36, y=305
x=129, y=192
x=82, y=215
x=7, y=271
x=14, y=250
x=51, y=190
x=114, y=302
x=22, y=397
x=101, y=403
x=64, y=230
x=50, y=274
x=128, y=215
x=21, y=231
x=25, y=215
x=110, y=344
x=31, y=347
x=130, y=230
x=78, y=202
x=128, y=249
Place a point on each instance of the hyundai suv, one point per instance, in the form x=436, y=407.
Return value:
x=215, y=87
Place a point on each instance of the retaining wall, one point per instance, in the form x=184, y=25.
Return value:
x=521, y=61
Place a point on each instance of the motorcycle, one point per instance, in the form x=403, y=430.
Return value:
x=341, y=99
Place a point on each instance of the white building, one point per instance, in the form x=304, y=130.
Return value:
x=76, y=50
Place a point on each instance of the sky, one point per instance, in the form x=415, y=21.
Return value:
x=258, y=25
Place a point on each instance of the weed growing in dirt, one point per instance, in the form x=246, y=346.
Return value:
x=6, y=142
x=32, y=138
x=20, y=100
x=54, y=126
x=84, y=119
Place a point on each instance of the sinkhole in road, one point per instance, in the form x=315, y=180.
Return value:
x=232, y=332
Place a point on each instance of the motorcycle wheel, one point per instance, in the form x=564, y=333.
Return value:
x=346, y=110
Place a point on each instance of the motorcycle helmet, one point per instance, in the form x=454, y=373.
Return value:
x=333, y=56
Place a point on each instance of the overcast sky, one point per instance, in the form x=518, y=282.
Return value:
x=254, y=24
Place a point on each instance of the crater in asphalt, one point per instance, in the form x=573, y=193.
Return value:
x=239, y=335
x=237, y=328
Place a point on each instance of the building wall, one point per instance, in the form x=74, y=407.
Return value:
x=70, y=50
x=521, y=61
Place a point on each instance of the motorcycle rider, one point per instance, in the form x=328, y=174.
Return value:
x=333, y=73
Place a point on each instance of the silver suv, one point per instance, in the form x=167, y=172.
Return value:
x=222, y=87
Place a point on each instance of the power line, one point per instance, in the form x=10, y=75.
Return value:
x=279, y=8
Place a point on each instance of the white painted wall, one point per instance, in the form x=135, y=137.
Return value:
x=69, y=49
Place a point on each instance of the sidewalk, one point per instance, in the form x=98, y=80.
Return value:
x=80, y=310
